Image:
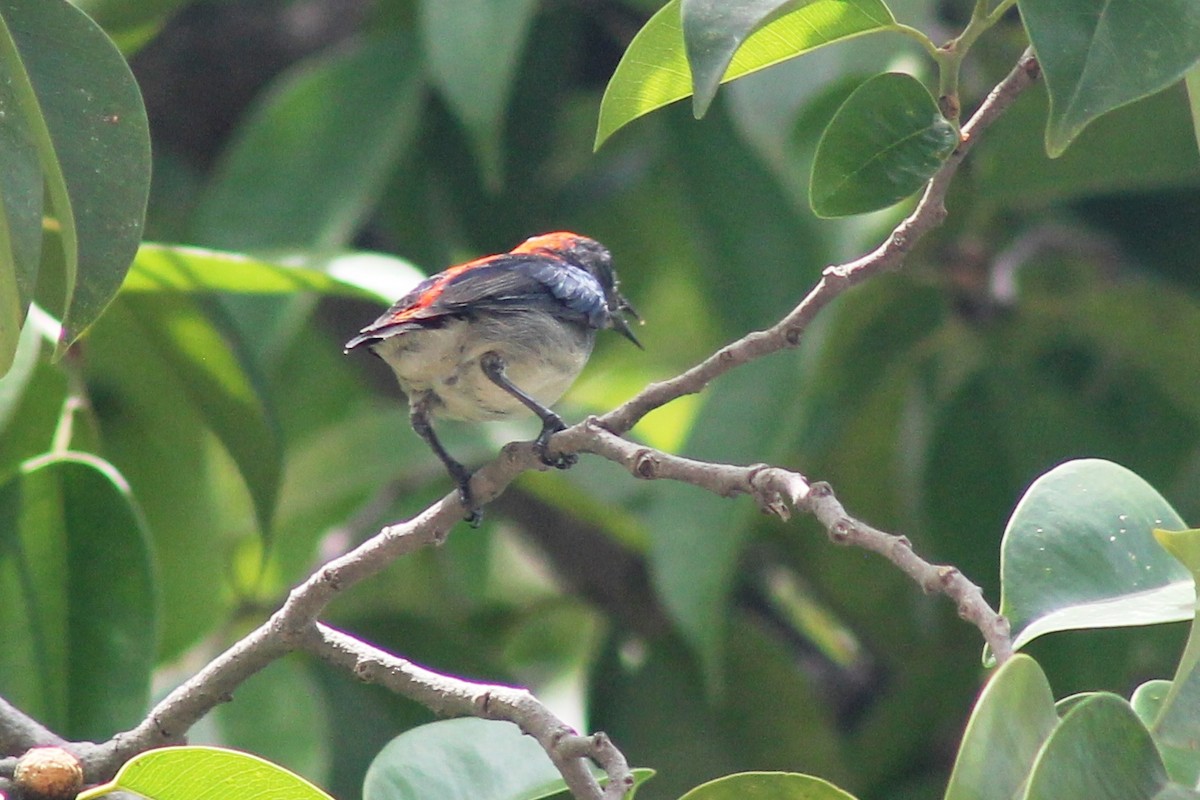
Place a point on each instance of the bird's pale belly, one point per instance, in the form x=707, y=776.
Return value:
x=441, y=365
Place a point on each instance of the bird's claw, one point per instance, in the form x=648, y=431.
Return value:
x=541, y=445
x=474, y=514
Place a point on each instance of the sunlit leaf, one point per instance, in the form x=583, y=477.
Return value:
x=201, y=773
x=654, y=70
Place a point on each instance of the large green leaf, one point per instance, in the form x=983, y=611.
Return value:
x=82, y=112
x=202, y=773
x=1014, y=716
x=654, y=70
x=464, y=759
x=1078, y=553
x=883, y=144
x=1099, y=751
x=767, y=786
x=289, y=179
x=473, y=48
x=78, y=589
x=1098, y=55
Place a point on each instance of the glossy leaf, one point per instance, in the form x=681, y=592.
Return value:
x=473, y=48
x=78, y=589
x=654, y=70
x=1100, y=750
x=80, y=111
x=289, y=179
x=1182, y=762
x=1078, y=553
x=201, y=773
x=767, y=786
x=997, y=754
x=883, y=144
x=464, y=759
x=1098, y=55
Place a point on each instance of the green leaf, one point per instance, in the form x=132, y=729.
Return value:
x=1109, y=157
x=464, y=759
x=84, y=114
x=284, y=696
x=693, y=569
x=883, y=144
x=1100, y=750
x=202, y=773
x=1078, y=553
x=767, y=786
x=25, y=361
x=654, y=70
x=1192, y=81
x=1181, y=762
x=130, y=23
x=713, y=30
x=1177, y=726
x=474, y=48
x=1098, y=55
x=77, y=586
x=289, y=179
x=997, y=753
x=205, y=360
x=170, y=268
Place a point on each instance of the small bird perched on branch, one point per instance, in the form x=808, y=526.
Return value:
x=499, y=337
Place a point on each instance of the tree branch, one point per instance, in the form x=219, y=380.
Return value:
x=777, y=491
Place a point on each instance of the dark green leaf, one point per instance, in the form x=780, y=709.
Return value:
x=713, y=30
x=883, y=144
x=1108, y=157
x=1101, y=751
x=289, y=179
x=1078, y=553
x=997, y=754
x=654, y=70
x=1098, y=55
x=474, y=47
x=78, y=589
x=85, y=116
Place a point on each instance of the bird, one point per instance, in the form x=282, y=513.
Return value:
x=500, y=337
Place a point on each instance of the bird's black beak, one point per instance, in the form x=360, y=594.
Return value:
x=620, y=325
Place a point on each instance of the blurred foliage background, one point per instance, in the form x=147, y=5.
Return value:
x=1054, y=316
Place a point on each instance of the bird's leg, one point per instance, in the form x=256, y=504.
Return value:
x=493, y=366
x=419, y=418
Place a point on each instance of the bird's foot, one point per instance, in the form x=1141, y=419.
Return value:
x=542, y=446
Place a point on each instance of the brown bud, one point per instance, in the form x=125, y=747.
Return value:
x=50, y=773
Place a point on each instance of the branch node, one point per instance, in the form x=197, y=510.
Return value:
x=645, y=465
x=792, y=336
